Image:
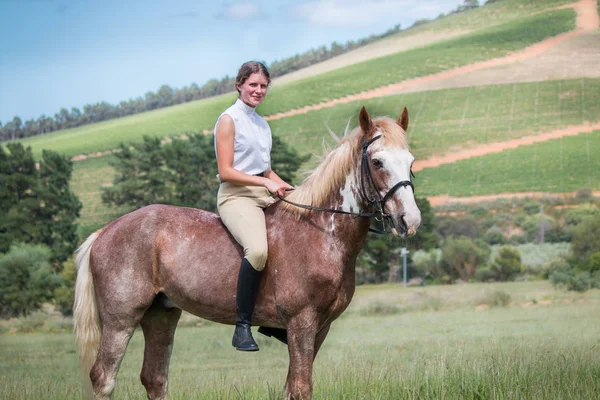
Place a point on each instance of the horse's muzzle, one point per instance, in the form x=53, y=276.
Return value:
x=401, y=227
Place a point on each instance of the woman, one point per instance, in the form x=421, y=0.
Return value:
x=248, y=185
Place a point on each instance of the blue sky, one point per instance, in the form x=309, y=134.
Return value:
x=57, y=54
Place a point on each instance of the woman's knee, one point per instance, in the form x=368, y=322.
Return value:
x=257, y=257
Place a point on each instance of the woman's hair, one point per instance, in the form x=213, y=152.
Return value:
x=248, y=68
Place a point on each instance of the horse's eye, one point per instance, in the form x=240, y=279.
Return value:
x=377, y=163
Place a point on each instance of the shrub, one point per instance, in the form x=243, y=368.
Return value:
x=584, y=195
x=462, y=255
x=460, y=225
x=573, y=279
x=595, y=262
x=26, y=279
x=507, y=264
x=538, y=258
x=63, y=295
x=497, y=298
x=581, y=213
x=379, y=308
x=32, y=322
x=531, y=208
x=494, y=235
x=478, y=211
x=429, y=265
x=517, y=239
x=586, y=240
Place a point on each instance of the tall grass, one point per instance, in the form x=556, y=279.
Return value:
x=455, y=352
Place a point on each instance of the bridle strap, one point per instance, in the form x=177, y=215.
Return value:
x=372, y=197
x=331, y=210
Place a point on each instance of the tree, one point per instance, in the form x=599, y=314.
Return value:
x=460, y=225
x=18, y=199
x=586, y=241
x=507, y=264
x=379, y=255
x=285, y=161
x=462, y=255
x=59, y=206
x=193, y=171
x=37, y=206
x=26, y=279
x=182, y=172
x=141, y=177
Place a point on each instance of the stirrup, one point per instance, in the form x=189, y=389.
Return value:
x=277, y=333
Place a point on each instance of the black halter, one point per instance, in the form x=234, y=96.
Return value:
x=369, y=192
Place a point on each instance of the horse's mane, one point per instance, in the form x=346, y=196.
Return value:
x=331, y=173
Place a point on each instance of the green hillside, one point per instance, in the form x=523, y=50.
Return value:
x=558, y=165
x=489, y=43
x=444, y=120
x=492, y=14
x=440, y=121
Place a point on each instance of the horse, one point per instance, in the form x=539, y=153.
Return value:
x=147, y=266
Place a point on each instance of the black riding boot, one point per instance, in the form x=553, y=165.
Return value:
x=247, y=288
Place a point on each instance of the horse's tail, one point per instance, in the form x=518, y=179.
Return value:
x=86, y=321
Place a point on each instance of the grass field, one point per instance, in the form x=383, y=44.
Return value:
x=392, y=343
x=89, y=176
x=559, y=165
x=492, y=42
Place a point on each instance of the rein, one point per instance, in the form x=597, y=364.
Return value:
x=373, y=197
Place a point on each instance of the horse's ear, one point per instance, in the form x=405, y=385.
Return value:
x=365, y=121
x=403, y=120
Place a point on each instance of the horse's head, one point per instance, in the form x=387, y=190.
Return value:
x=386, y=171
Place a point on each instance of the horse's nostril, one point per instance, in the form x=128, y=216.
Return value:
x=403, y=225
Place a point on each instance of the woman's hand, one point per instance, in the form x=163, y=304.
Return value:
x=277, y=189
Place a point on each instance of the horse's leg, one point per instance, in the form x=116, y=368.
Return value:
x=302, y=330
x=159, y=324
x=112, y=349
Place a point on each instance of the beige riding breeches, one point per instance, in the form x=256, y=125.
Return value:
x=241, y=210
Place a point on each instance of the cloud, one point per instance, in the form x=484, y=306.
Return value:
x=242, y=10
x=338, y=13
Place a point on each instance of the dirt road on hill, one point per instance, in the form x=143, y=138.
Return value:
x=436, y=201
x=587, y=15
x=497, y=147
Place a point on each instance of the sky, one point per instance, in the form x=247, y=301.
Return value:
x=56, y=53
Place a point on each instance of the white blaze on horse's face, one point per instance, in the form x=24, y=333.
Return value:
x=390, y=166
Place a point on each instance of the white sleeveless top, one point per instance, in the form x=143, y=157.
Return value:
x=252, y=141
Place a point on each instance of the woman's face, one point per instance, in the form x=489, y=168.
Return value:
x=254, y=89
